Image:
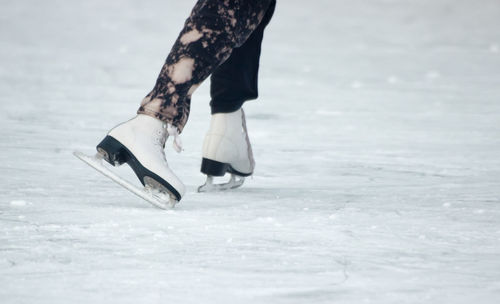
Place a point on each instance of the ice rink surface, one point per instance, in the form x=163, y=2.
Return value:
x=376, y=137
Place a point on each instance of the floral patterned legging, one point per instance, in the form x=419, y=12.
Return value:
x=212, y=31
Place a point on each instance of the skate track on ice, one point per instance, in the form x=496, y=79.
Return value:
x=376, y=137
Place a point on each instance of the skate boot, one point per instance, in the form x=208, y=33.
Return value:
x=226, y=149
x=140, y=143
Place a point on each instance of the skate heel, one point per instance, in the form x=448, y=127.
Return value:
x=112, y=151
x=213, y=168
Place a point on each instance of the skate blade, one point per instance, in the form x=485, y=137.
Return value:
x=233, y=183
x=157, y=196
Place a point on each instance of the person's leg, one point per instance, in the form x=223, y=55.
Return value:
x=213, y=30
x=227, y=148
x=235, y=81
x=210, y=34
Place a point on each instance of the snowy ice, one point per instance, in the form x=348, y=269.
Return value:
x=18, y=203
x=376, y=138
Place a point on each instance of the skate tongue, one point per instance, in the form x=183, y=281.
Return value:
x=173, y=131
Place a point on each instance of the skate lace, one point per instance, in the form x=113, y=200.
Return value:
x=174, y=132
x=159, y=141
x=162, y=136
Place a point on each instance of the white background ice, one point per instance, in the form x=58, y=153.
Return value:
x=376, y=136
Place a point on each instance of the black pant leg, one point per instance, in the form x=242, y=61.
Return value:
x=235, y=81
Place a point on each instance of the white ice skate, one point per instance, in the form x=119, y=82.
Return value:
x=226, y=149
x=140, y=143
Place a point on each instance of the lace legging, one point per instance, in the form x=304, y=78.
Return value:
x=212, y=31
